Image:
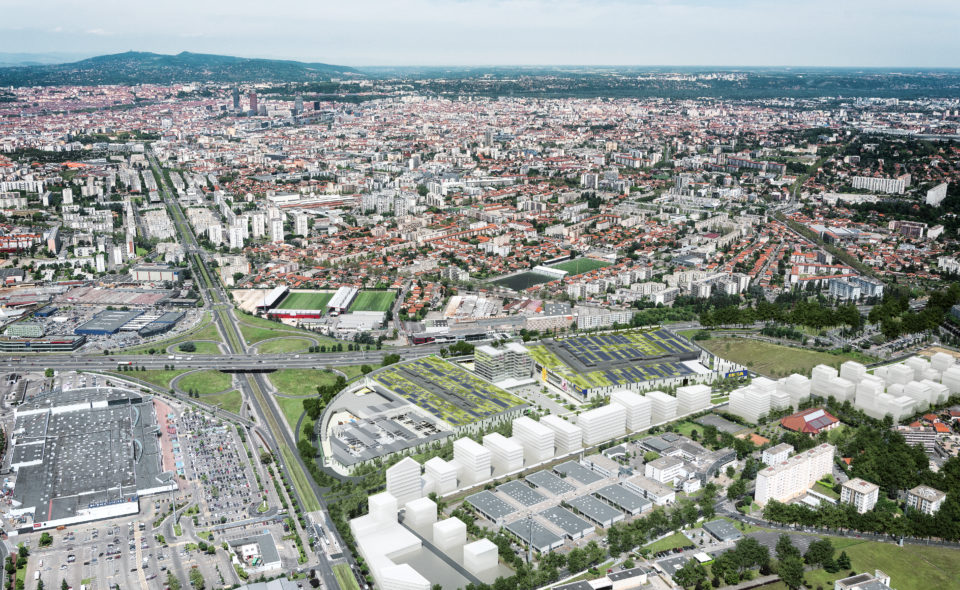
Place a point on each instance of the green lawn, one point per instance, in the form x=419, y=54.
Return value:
x=202, y=348
x=672, y=542
x=292, y=408
x=255, y=329
x=345, y=577
x=300, y=382
x=312, y=301
x=157, y=377
x=230, y=401
x=206, y=382
x=686, y=428
x=910, y=567
x=293, y=344
x=773, y=360
x=822, y=489
x=373, y=301
x=353, y=371
x=580, y=265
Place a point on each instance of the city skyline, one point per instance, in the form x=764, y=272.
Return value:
x=531, y=32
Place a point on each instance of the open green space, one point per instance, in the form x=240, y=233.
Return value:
x=301, y=382
x=292, y=409
x=230, y=401
x=822, y=489
x=373, y=301
x=205, y=382
x=345, y=577
x=255, y=329
x=293, y=344
x=580, y=265
x=201, y=348
x=300, y=300
x=157, y=377
x=686, y=428
x=300, y=482
x=353, y=371
x=672, y=542
x=774, y=360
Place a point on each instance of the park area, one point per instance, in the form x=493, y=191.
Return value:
x=373, y=301
x=580, y=265
x=775, y=360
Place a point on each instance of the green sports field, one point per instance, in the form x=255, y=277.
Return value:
x=296, y=300
x=373, y=301
x=580, y=265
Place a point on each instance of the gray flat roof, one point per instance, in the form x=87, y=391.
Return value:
x=521, y=492
x=108, y=321
x=596, y=510
x=722, y=530
x=490, y=505
x=721, y=423
x=570, y=523
x=622, y=497
x=550, y=482
x=578, y=472
x=542, y=538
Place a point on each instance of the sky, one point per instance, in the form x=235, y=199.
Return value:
x=880, y=33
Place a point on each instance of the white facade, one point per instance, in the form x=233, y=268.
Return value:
x=276, y=230
x=403, y=480
x=420, y=514
x=663, y=406
x=602, y=424
x=693, y=398
x=777, y=454
x=925, y=499
x=480, y=556
x=750, y=403
x=794, y=476
x=440, y=475
x=506, y=454
x=664, y=469
x=567, y=437
x=537, y=439
x=860, y=493
x=639, y=409
x=449, y=534
x=473, y=461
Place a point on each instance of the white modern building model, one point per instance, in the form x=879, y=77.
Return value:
x=794, y=476
x=567, y=436
x=440, y=476
x=537, y=439
x=506, y=454
x=381, y=540
x=603, y=423
x=404, y=481
x=473, y=461
x=693, y=398
x=639, y=408
x=663, y=406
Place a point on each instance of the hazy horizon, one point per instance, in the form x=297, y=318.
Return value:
x=478, y=33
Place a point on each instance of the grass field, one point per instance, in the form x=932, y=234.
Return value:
x=157, y=377
x=353, y=371
x=672, y=542
x=373, y=301
x=345, y=577
x=202, y=348
x=255, y=329
x=300, y=382
x=206, y=382
x=773, y=360
x=292, y=409
x=296, y=300
x=580, y=265
x=229, y=401
x=292, y=344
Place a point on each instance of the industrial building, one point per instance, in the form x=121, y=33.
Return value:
x=106, y=323
x=148, y=273
x=60, y=482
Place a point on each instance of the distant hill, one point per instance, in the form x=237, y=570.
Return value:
x=136, y=67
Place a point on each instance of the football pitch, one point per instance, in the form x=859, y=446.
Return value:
x=580, y=265
x=305, y=301
x=373, y=301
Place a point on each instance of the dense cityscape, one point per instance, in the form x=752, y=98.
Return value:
x=274, y=325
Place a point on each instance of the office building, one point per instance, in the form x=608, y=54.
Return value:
x=506, y=454
x=860, y=493
x=567, y=437
x=602, y=424
x=403, y=480
x=511, y=361
x=253, y=102
x=639, y=409
x=537, y=439
x=925, y=499
x=793, y=477
x=276, y=230
x=235, y=94
x=473, y=461
x=663, y=407
x=440, y=476
x=664, y=469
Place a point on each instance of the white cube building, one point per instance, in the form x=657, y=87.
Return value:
x=663, y=406
x=441, y=475
x=942, y=361
x=602, y=424
x=450, y=534
x=853, y=371
x=480, y=556
x=567, y=438
x=693, y=398
x=420, y=514
x=506, y=454
x=797, y=386
x=403, y=480
x=537, y=439
x=750, y=403
x=383, y=507
x=820, y=378
x=639, y=409
x=473, y=461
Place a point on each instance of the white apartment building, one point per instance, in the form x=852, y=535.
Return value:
x=404, y=482
x=639, y=409
x=925, y=499
x=663, y=406
x=440, y=476
x=664, y=470
x=880, y=185
x=473, y=461
x=861, y=493
x=567, y=437
x=602, y=424
x=506, y=454
x=276, y=230
x=777, y=454
x=537, y=440
x=693, y=398
x=793, y=477
x=300, y=224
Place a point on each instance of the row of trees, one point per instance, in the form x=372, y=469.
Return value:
x=798, y=313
